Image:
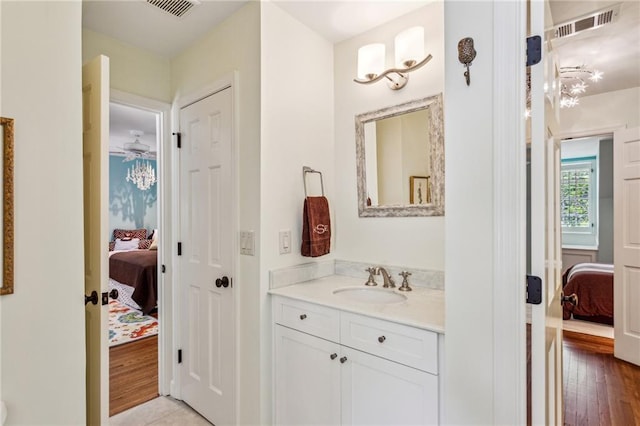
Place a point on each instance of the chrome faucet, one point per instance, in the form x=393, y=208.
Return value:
x=388, y=281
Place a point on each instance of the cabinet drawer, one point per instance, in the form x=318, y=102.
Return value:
x=307, y=317
x=400, y=343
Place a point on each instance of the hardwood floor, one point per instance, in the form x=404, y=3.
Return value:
x=598, y=388
x=133, y=374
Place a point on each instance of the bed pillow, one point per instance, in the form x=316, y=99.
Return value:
x=154, y=242
x=127, y=245
x=144, y=244
x=112, y=245
x=125, y=234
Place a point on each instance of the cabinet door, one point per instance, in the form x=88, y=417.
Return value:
x=307, y=379
x=376, y=391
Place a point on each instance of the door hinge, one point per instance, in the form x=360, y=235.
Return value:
x=164, y=269
x=534, y=50
x=178, y=138
x=534, y=290
x=179, y=249
x=179, y=356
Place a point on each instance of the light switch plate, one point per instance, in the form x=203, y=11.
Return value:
x=285, y=241
x=247, y=243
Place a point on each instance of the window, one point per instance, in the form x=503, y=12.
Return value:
x=579, y=201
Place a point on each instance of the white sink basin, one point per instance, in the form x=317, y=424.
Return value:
x=370, y=295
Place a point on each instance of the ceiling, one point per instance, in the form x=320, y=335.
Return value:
x=123, y=119
x=613, y=49
x=140, y=24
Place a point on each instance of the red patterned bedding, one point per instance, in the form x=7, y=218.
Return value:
x=592, y=283
x=138, y=269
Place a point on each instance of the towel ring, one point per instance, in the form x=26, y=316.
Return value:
x=306, y=170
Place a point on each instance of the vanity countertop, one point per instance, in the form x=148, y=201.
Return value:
x=424, y=307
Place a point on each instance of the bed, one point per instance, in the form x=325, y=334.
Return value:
x=592, y=284
x=133, y=269
x=137, y=269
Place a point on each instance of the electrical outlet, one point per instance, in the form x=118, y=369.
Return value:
x=285, y=241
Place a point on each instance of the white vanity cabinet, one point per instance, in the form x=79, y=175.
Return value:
x=334, y=367
x=307, y=379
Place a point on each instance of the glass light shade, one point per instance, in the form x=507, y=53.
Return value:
x=409, y=46
x=370, y=60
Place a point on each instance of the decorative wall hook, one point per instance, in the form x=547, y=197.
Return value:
x=466, y=54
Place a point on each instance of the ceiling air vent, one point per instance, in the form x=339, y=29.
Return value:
x=587, y=22
x=175, y=7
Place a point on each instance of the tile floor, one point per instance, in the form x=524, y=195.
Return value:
x=163, y=410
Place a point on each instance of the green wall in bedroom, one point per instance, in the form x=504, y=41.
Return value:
x=130, y=207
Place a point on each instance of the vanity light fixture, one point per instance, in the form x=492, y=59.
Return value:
x=409, y=47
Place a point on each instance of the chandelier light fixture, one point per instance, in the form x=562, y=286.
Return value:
x=573, y=82
x=142, y=175
x=409, y=51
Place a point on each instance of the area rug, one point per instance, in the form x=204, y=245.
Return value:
x=127, y=324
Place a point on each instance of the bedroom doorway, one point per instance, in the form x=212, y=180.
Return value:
x=587, y=210
x=136, y=216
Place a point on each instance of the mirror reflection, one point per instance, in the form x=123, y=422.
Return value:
x=401, y=160
x=397, y=153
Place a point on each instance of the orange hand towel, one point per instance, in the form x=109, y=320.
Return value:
x=316, y=227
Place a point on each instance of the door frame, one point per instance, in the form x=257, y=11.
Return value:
x=509, y=205
x=165, y=299
x=231, y=81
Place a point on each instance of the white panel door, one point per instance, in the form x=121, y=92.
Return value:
x=206, y=264
x=626, y=235
x=546, y=253
x=307, y=379
x=376, y=391
x=95, y=149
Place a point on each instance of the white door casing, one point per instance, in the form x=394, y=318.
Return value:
x=546, y=254
x=165, y=282
x=626, y=237
x=95, y=142
x=207, y=316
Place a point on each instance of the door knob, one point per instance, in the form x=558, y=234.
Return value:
x=343, y=360
x=572, y=299
x=222, y=282
x=93, y=298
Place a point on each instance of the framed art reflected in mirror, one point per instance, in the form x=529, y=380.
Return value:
x=6, y=124
x=419, y=190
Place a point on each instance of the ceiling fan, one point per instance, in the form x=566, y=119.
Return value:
x=136, y=149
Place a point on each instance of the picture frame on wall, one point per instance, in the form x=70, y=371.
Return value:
x=419, y=190
x=6, y=258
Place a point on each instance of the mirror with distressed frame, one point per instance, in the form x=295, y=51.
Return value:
x=400, y=160
x=6, y=124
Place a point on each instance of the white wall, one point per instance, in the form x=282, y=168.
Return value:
x=296, y=131
x=43, y=361
x=417, y=241
x=235, y=45
x=484, y=363
x=132, y=70
x=603, y=111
